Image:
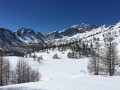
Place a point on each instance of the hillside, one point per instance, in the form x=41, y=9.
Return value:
x=88, y=36
x=73, y=30
x=23, y=36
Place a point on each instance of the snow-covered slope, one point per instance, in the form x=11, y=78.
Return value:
x=30, y=36
x=21, y=36
x=69, y=32
x=64, y=74
x=7, y=38
x=88, y=36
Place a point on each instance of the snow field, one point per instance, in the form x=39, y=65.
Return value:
x=64, y=74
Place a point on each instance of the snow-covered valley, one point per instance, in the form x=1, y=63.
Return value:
x=64, y=74
x=59, y=45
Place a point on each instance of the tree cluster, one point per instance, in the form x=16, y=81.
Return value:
x=23, y=72
x=104, y=60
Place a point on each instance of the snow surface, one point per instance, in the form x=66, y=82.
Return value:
x=64, y=74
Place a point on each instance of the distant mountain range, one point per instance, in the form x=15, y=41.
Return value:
x=30, y=37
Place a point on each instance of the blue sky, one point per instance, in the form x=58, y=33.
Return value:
x=50, y=15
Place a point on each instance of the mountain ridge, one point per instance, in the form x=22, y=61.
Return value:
x=71, y=31
x=30, y=36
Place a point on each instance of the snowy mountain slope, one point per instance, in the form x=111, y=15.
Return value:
x=88, y=36
x=102, y=33
x=73, y=30
x=29, y=36
x=7, y=38
x=21, y=36
x=64, y=74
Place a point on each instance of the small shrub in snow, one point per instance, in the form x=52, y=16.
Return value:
x=73, y=55
x=39, y=59
x=48, y=52
x=63, y=52
x=34, y=56
x=56, y=56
